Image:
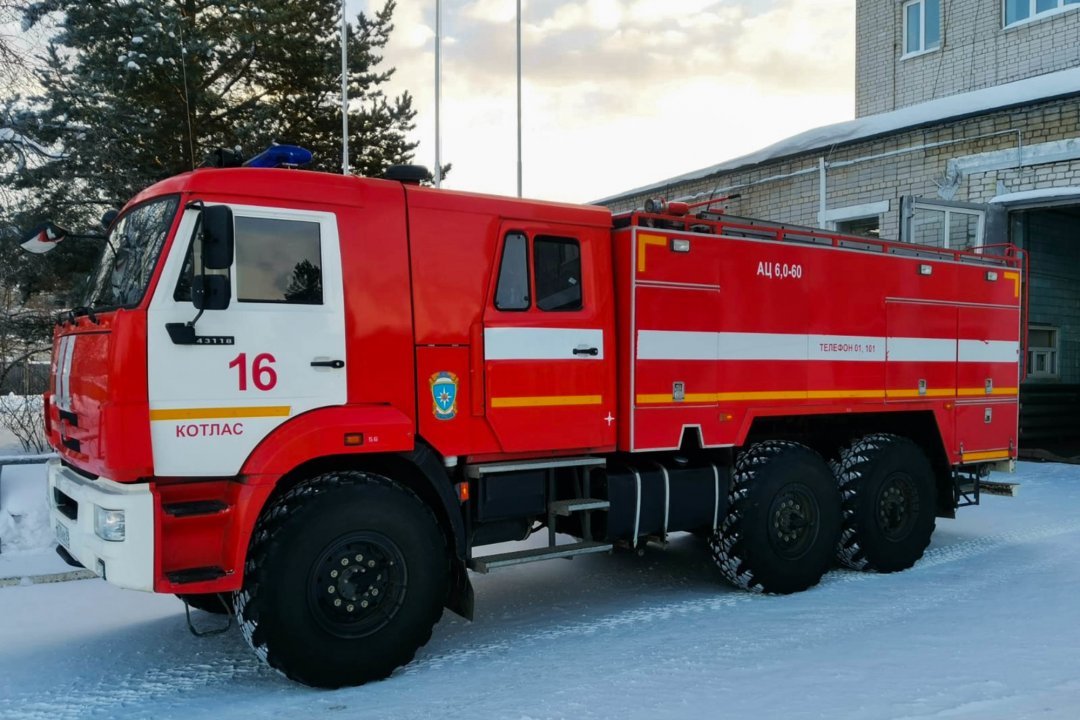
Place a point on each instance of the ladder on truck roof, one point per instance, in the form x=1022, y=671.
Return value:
x=718, y=223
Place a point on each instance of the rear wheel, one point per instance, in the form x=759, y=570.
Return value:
x=887, y=487
x=346, y=575
x=782, y=522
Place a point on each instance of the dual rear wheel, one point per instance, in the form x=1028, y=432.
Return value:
x=790, y=515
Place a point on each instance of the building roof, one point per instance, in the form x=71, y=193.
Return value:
x=1022, y=92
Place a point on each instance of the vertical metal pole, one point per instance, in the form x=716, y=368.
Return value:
x=823, y=192
x=438, y=93
x=519, y=98
x=344, y=91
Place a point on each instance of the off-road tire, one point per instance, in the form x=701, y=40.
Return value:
x=887, y=491
x=284, y=610
x=782, y=521
x=216, y=603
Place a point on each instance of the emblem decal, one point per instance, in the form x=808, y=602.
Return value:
x=444, y=395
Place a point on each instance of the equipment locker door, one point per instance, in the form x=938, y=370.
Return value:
x=277, y=351
x=549, y=345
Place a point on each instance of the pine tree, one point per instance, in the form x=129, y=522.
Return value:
x=137, y=90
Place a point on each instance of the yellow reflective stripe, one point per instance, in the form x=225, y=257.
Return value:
x=652, y=399
x=989, y=455
x=643, y=241
x=691, y=398
x=929, y=392
x=220, y=412
x=969, y=392
x=546, y=401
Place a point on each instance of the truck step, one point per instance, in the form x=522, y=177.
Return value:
x=567, y=507
x=488, y=563
x=193, y=575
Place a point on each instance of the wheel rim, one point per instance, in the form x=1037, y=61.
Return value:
x=793, y=521
x=357, y=585
x=897, y=506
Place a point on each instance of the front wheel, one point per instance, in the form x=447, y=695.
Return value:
x=347, y=573
x=782, y=522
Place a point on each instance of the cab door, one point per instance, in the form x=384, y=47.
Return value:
x=549, y=345
x=277, y=351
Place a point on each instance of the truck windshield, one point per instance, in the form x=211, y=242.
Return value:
x=131, y=251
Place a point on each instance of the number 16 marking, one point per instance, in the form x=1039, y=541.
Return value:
x=263, y=374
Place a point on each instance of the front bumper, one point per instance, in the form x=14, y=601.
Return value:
x=72, y=497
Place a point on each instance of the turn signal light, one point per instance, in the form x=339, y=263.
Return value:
x=354, y=439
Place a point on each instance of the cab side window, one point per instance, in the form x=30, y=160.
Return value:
x=512, y=292
x=558, y=273
x=278, y=261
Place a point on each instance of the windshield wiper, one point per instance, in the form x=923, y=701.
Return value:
x=81, y=310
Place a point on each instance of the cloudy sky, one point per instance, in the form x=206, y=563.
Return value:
x=618, y=93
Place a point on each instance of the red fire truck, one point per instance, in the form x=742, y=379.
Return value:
x=310, y=400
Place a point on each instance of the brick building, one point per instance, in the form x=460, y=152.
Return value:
x=967, y=133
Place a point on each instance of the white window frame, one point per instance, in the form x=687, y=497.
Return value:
x=980, y=230
x=1049, y=352
x=922, y=49
x=1034, y=14
x=864, y=211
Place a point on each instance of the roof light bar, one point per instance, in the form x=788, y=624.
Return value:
x=280, y=156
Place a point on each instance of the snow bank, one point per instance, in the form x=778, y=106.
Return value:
x=24, y=512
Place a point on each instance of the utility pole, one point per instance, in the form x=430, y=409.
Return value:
x=519, y=98
x=344, y=91
x=438, y=97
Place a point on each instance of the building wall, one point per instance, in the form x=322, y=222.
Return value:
x=976, y=51
x=969, y=161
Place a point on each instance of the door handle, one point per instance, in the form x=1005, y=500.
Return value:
x=336, y=364
x=583, y=350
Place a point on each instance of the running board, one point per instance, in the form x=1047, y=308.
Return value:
x=566, y=507
x=487, y=563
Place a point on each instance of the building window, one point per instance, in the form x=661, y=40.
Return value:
x=1042, y=352
x=1017, y=11
x=922, y=26
x=947, y=227
x=867, y=227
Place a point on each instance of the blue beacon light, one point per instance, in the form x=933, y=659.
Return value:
x=280, y=156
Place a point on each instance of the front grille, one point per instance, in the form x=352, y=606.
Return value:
x=66, y=505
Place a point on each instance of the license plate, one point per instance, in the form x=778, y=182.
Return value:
x=63, y=536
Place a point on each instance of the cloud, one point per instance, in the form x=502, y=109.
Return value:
x=601, y=77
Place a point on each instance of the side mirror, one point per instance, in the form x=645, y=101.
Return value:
x=217, y=237
x=210, y=292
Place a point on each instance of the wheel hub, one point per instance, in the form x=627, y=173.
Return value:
x=358, y=584
x=897, y=506
x=793, y=521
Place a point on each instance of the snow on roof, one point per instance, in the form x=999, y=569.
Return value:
x=1017, y=198
x=1021, y=92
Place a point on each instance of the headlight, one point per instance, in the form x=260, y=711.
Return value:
x=109, y=524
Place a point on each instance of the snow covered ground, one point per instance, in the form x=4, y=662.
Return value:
x=987, y=626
